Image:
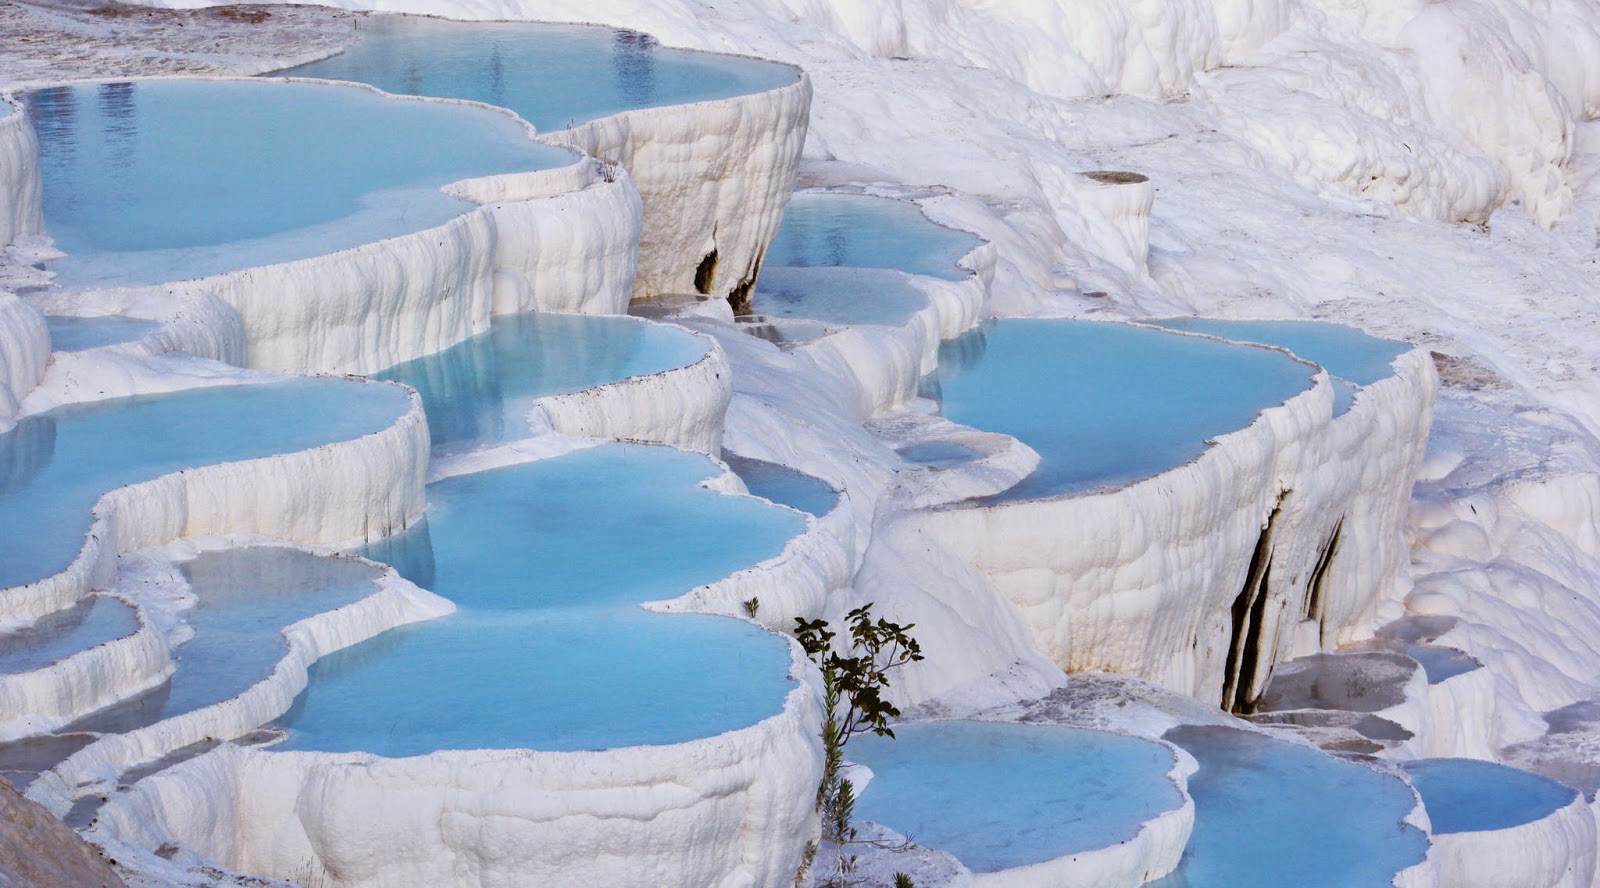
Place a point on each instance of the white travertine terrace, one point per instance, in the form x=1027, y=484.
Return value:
x=680, y=407
x=40, y=700
x=23, y=360
x=21, y=185
x=734, y=809
x=1556, y=851
x=714, y=177
x=393, y=602
x=341, y=493
x=1146, y=585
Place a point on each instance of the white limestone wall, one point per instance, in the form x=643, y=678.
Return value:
x=713, y=176
x=570, y=252
x=1557, y=851
x=24, y=352
x=1140, y=580
x=682, y=407
x=41, y=700
x=393, y=602
x=1366, y=463
x=732, y=810
x=1117, y=214
x=21, y=188
x=349, y=491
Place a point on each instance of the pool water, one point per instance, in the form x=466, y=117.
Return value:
x=783, y=485
x=836, y=296
x=1441, y=663
x=69, y=334
x=547, y=563
x=1466, y=795
x=851, y=230
x=1107, y=404
x=1270, y=813
x=89, y=623
x=553, y=76
x=938, y=454
x=479, y=392
x=1348, y=354
x=164, y=180
x=54, y=466
x=245, y=598
x=999, y=796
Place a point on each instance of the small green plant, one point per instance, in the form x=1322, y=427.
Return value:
x=853, y=682
x=901, y=880
x=751, y=606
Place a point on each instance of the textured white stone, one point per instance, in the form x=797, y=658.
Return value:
x=714, y=176
x=21, y=190
x=26, y=350
x=393, y=602
x=350, y=491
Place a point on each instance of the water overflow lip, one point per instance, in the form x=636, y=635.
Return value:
x=1106, y=404
x=54, y=466
x=148, y=182
x=552, y=76
x=548, y=563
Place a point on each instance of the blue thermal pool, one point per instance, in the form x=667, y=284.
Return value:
x=857, y=231
x=1440, y=663
x=999, y=796
x=547, y=563
x=244, y=599
x=836, y=296
x=1466, y=795
x=553, y=76
x=784, y=485
x=1107, y=404
x=1349, y=355
x=69, y=334
x=478, y=393
x=91, y=622
x=164, y=180
x=1269, y=813
x=55, y=465
x=938, y=454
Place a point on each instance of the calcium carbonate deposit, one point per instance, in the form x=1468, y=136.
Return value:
x=441, y=443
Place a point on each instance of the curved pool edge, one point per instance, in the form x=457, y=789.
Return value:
x=393, y=602
x=39, y=701
x=358, y=489
x=735, y=808
x=563, y=238
x=683, y=407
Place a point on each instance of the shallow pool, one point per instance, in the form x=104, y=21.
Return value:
x=851, y=230
x=55, y=465
x=478, y=393
x=1270, y=813
x=554, y=76
x=1441, y=663
x=165, y=180
x=77, y=334
x=89, y=623
x=784, y=485
x=245, y=598
x=999, y=796
x=548, y=562
x=836, y=296
x=1466, y=795
x=1347, y=354
x=1106, y=404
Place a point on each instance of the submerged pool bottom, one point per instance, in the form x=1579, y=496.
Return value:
x=999, y=796
x=548, y=563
